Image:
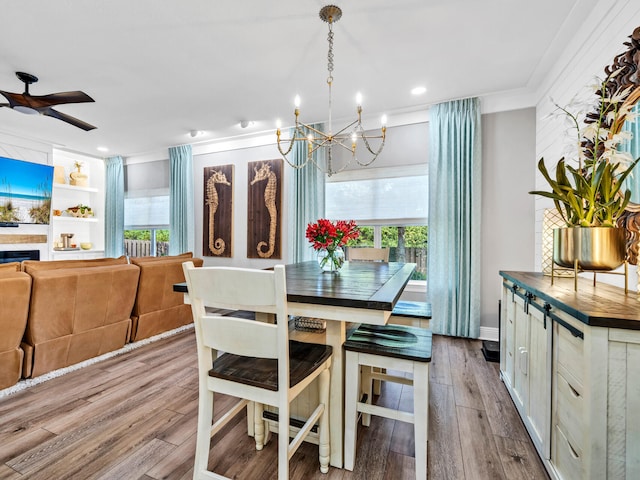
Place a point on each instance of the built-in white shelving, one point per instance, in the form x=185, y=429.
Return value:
x=84, y=229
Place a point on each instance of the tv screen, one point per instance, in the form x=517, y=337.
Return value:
x=25, y=191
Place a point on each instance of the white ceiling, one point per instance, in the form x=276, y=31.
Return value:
x=158, y=68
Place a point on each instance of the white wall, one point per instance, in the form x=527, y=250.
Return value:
x=239, y=157
x=600, y=39
x=508, y=153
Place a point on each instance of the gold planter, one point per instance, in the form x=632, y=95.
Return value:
x=594, y=248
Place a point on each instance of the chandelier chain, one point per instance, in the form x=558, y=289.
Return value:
x=330, y=54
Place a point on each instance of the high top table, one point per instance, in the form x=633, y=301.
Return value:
x=363, y=292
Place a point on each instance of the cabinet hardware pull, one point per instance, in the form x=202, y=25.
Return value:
x=547, y=309
x=524, y=360
x=527, y=301
x=573, y=453
x=574, y=331
x=574, y=392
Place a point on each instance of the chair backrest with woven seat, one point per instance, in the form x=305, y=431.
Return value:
x=367, y=254
x=259, y=364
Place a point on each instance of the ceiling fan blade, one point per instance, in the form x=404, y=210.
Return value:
x=39, y=101
x=50, y=112
x=14, y=98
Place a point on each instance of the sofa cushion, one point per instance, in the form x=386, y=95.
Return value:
x=9, y=267
x=14, y=308
x=79, y=313
x=183, y=257
x=30, y=266
x=158, y=308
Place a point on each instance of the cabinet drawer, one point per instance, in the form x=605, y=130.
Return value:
x=570, y=356
x=569, y=412
x=509, y=343
x=565, y=459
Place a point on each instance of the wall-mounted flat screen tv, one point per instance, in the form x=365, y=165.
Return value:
x=25, y=192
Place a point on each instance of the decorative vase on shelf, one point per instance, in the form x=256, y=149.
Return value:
x=78, y=178
x=58, y=174
x=331, y=260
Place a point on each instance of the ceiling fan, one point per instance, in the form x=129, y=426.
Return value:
x=33, y=104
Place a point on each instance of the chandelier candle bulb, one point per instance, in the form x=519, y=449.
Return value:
x=383, y=121
x=296, y=102
x=359, y=99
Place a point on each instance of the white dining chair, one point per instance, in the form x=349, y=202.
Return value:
x=259, y=364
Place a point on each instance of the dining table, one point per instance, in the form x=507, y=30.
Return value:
x=361, y=292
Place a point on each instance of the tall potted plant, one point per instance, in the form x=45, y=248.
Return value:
x=589, y=195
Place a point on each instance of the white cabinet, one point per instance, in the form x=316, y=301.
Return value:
x=84, y=230
x=525, y=360
x=575, y=383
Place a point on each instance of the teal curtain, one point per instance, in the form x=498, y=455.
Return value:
x=114, y=207
x=633, y=147
x=306, y=199
x=454, y=217
x=181, y=218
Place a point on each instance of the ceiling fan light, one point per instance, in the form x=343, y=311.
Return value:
x=26, y=110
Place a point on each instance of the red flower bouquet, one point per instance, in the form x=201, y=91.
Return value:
x=328, y=237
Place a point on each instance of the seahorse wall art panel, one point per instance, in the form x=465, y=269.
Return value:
x=265, y=205
x=217, y=231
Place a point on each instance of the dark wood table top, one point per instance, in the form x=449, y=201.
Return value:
x=602, y=306
x=371, y=285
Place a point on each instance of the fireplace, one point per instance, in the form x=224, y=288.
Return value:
x=7, y=256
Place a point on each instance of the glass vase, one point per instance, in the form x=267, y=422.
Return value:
x=331, y=259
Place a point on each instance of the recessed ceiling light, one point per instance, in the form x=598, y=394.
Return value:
x=418, y=90
x=196, y=133
x=102, y=149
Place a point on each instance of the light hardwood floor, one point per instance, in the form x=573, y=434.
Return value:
x=134, y=417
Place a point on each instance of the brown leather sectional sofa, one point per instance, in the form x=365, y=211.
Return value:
x=60, y=313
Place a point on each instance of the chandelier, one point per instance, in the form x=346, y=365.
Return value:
x=346, y=138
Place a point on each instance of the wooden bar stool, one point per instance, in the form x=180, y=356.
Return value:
x=397, y=348
x=415, y=314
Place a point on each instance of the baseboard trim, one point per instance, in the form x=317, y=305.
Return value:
x=490, y=333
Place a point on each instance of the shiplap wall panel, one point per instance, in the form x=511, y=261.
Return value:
x=13, y=147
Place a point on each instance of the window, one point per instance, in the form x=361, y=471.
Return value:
x=145, y=243
x=146, y=209
x=390, y=206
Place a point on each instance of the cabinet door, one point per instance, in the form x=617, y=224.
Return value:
x=521, y=351
x=507, y=340
x=539, y=407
